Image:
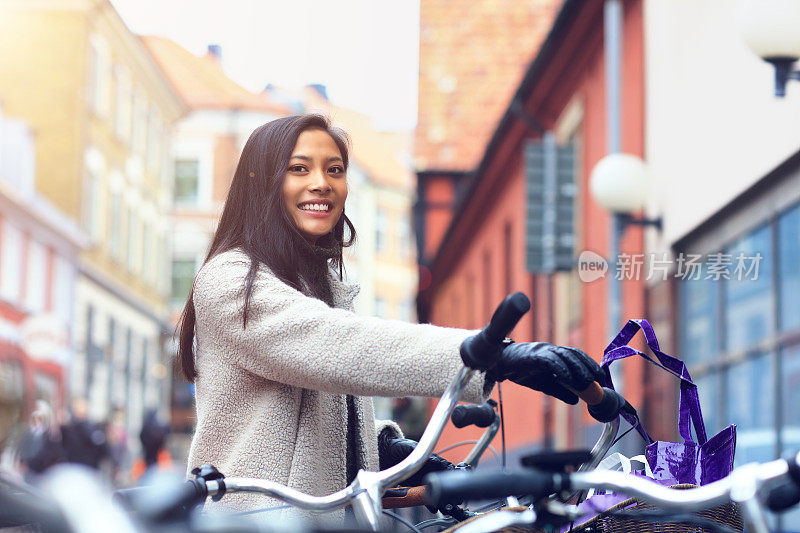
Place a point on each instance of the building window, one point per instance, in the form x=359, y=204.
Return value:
x=123, y=108
x=139, y=124
x=155, y=132
x=36, y=280
x=748, y=300
x=187, y=181
x=91, y=205
x=404, y=240
x=183, y=272
x=62, y=289
x=149, y=256
x=380, y=230
x=10, y=262
x=132, y=238
x=115, y=214
x=788, y=271
x=99, y=75
x=738, y=334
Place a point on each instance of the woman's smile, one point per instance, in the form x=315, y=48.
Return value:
x=316, y=208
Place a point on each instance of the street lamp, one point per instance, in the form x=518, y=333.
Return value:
x=771, y=28
x=619, y=183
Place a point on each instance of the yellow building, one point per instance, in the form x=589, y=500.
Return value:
x=101, y=112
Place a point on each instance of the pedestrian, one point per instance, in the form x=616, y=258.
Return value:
x=154, y=437
x=40, y=447
x=283, y=369
x=118, y=453
x=84, y=441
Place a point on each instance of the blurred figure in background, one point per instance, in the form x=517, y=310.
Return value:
x=40, y=447
x=155, y=455
x=118, y=452
x=84, y=441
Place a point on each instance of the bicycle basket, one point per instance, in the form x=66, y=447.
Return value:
x=628, y=522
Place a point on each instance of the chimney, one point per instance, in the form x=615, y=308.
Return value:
x=215, y=51
x=320, y=89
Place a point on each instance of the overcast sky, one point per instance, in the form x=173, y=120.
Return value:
x=364, y=51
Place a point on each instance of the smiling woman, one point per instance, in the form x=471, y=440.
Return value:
x=284, y=371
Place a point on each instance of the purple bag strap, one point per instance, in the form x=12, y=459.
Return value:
x=689, y=406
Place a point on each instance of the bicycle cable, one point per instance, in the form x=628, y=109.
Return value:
x=435, y=522
x=402, y=520
x=502, y=426
x=491, y=448
x=264, y=510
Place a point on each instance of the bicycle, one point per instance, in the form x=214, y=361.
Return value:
x=365, y=493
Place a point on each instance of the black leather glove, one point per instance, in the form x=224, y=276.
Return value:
x=392, y=450
x=546, y=368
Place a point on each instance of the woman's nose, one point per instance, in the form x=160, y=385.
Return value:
x=319, y=182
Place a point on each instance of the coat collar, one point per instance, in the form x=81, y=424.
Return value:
x=343, y=293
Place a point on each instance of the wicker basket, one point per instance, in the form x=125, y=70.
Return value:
x=727, y=514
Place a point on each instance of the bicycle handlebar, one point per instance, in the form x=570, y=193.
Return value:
x=741, y=485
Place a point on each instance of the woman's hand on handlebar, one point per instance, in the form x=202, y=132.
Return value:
x=392, y=450
x=554, y=370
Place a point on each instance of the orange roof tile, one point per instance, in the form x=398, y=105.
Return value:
x=201, y=82
x=473, y=54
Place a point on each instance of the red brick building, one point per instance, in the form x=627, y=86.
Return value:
x=471, y=212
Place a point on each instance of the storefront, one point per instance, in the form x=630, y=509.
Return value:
x=739, y=316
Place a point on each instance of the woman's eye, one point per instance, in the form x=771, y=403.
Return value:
x=336, y=170
x=297, y=168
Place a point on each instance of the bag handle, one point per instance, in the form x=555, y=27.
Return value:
x=618, y=460
x=689, y=410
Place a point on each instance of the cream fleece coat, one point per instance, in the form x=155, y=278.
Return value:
x=271, y=398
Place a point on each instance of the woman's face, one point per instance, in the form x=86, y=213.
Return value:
x=315, y=186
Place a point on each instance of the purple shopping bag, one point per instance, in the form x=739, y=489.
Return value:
x=698, y=463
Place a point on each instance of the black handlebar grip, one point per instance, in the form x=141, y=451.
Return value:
x=480, y=351
x=611, y=405
x=444, y=488
x=161, y=502
x=793, y=462
x=506, y=317
x=482, y=415
x=783, y=496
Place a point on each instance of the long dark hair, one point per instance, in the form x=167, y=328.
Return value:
x=256, y=221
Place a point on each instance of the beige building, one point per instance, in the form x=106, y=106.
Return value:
x=101, y=112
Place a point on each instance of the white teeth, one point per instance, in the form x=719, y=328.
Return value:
x=314, y=207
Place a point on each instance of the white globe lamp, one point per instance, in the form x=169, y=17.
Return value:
x=619, y=183
x=771, y=28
